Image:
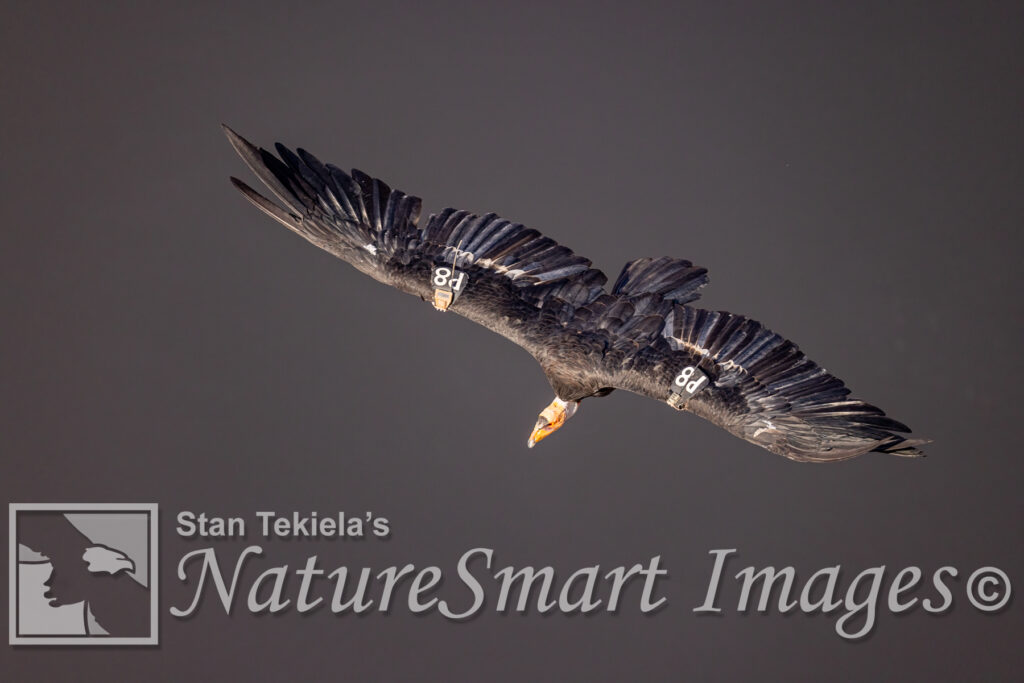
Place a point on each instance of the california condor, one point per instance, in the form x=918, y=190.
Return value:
x=641, y=336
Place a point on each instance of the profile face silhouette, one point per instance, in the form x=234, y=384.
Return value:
x=96, y=577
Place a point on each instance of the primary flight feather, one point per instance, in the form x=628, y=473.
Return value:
x=641, y=336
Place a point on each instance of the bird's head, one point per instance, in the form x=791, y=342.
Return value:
x=102, y=559
x=551, y=418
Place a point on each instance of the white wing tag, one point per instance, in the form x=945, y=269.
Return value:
x=690, y=381
x=448, y=285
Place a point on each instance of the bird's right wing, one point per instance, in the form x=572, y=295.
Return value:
x=500, y=274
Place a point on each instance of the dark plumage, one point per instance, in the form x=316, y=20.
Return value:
x=641, y=336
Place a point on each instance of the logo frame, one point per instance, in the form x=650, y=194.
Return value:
x=150, y=509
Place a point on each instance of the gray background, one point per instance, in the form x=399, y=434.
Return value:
x=850, y=175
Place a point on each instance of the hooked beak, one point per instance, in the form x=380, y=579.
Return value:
x=551, y=419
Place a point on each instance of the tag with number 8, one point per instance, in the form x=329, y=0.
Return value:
x=448, y=285
x=687, y=383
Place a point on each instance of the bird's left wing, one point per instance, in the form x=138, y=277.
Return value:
x=500, y=274
x=745, y=378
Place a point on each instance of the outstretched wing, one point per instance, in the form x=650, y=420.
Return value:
x=516, y=283
x=759, y=386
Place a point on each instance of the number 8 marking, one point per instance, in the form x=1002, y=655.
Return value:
x=682, y=380
x=441, y=277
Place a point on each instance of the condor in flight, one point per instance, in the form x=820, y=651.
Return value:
x=641, y=336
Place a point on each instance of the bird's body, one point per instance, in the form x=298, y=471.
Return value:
x=639, y=336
